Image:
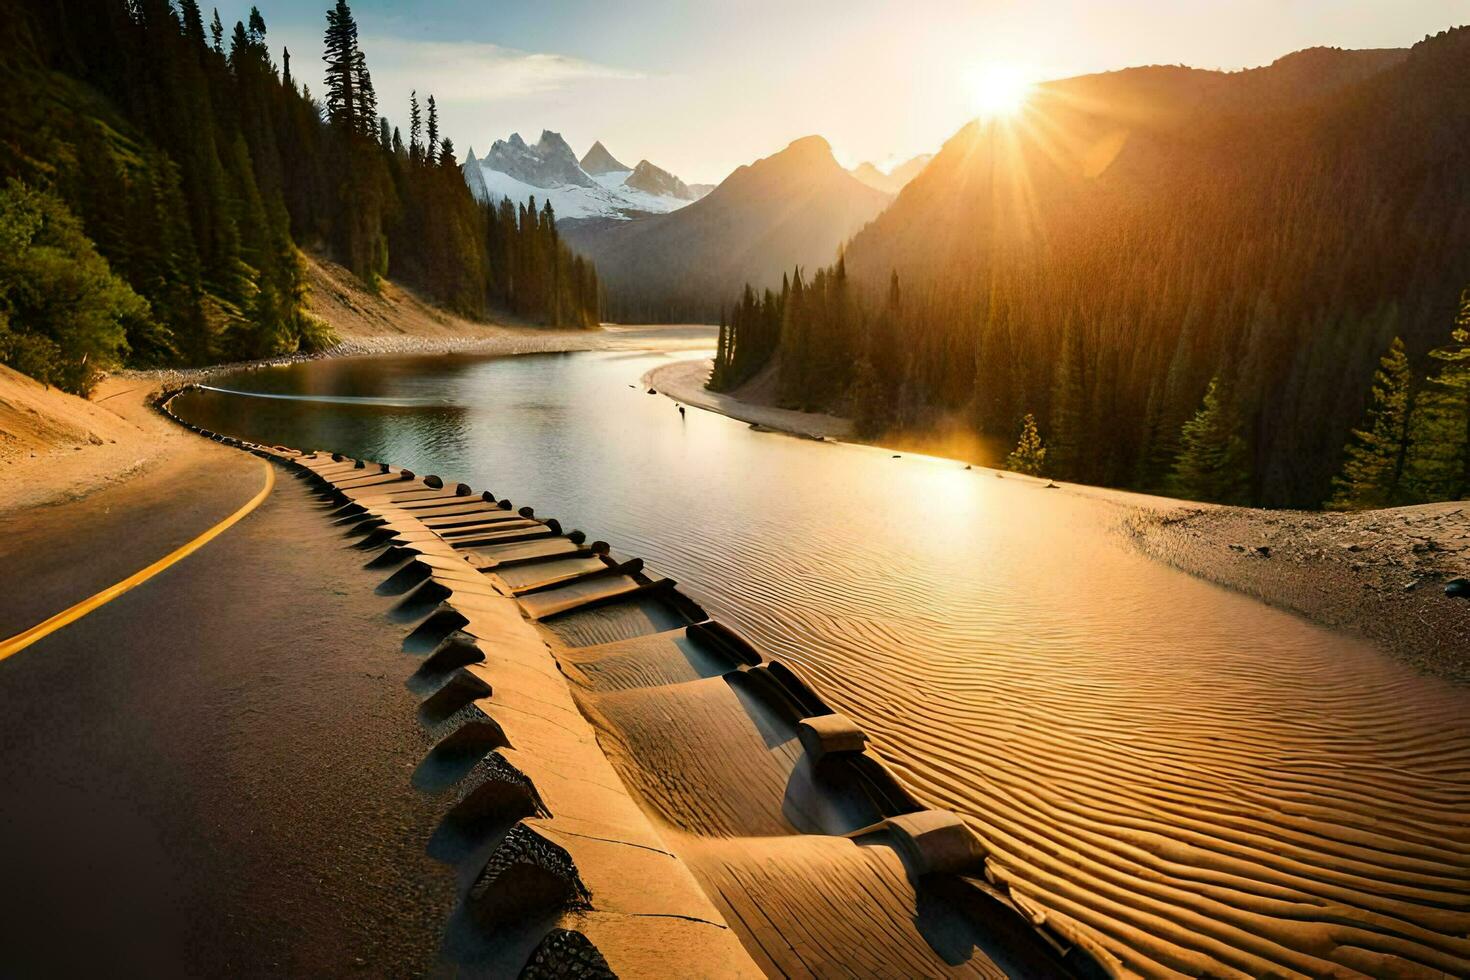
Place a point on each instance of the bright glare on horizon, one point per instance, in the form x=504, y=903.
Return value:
x=998, y=91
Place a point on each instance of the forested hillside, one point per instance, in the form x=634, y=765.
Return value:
x=1188, y=278
x=162, y=172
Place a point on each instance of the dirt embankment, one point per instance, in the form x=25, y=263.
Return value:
x=56, y=446
x=396, y=320
x=1379, y=573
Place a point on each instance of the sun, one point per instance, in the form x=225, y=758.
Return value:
x=998, y=91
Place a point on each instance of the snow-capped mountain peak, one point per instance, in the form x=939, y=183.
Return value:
x=550, y=163
x=599, y=161
x=596, y=187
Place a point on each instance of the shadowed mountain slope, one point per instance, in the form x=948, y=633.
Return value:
x=796, y=207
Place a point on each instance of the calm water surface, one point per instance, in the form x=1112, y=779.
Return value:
x=1203, y=782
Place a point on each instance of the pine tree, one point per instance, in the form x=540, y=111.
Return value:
x=1029, y=456
x=431, y=150
x=217, y=32
x=1213, y=461
x=721, y=368
x=415, y=127
x=367, y=98
x=1375, y=454
x=257, y=28
x=341, y=55
x=286, y=68
x=446, y=158
x=1439, y=434
x=193, y=22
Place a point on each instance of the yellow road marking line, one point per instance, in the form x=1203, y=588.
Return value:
x=20, y=641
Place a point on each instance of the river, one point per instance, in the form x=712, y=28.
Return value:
x=1210, y=785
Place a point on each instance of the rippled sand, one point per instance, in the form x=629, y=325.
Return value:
x=1208, y=785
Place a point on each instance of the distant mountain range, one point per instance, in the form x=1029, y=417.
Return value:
x=796, y=207
x=597, y=186
x=891, y=181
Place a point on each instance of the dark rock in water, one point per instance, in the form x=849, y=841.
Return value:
x=897, y=457
x=1051, y=486
x=968, y=467
x=652, y=392
x=1458, y=588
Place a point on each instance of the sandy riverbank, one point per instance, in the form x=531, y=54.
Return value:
x=1377, y=574
x=684, y=381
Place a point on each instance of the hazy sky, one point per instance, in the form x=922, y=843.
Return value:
x=700, y=88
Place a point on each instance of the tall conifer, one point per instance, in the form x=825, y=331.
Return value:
x=1213, y=462
x=341, y=55
x=1439, y=435
x=1375, y=455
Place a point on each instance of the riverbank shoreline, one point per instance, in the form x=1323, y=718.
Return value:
x=1378, y=575
x=684, y=382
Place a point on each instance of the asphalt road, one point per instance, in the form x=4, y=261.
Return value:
x=209, y=774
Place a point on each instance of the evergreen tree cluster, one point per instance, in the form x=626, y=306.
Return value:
x=829, y=353
x=1215, y=292
x=52, y=276
x=1414, y=445
x=197, y=169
